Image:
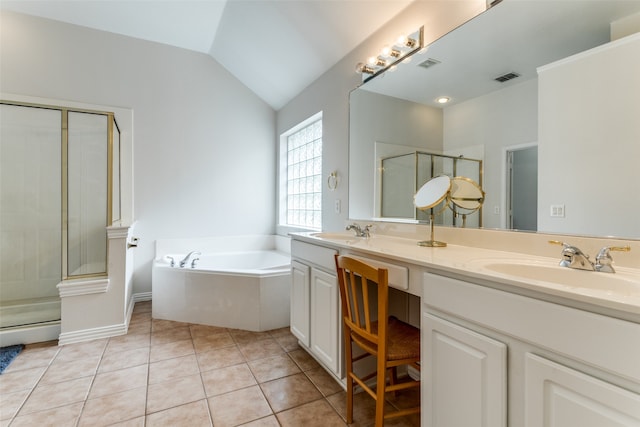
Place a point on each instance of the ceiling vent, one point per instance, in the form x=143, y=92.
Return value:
x=428, y=63
x=506, y=77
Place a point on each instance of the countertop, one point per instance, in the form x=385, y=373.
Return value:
x=615, y=294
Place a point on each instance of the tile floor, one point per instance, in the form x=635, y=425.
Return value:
x=165, y=373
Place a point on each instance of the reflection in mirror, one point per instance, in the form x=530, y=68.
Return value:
x=400, y=175
x=466, y=197
x=524, y=74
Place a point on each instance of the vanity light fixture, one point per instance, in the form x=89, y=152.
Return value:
x=391, y=55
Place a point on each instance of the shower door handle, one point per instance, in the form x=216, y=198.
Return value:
x=133, y=243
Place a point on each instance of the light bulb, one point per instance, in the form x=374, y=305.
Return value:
x=372, y=60
x=385, y=51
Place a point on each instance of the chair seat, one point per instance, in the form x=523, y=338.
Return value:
x=403, y=339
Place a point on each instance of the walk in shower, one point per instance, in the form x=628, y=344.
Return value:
x=59, y=189
x=401, y=175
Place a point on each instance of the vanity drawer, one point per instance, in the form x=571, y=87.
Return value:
x=398, y=275
x=318, y=255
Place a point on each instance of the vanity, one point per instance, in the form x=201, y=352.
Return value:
x=509, y=348
x=508, y=336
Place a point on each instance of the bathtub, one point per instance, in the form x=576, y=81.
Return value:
x=246, y=288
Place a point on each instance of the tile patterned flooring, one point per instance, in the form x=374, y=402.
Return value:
x=164, y=373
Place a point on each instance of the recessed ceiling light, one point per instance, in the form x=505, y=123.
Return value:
x=443, y=100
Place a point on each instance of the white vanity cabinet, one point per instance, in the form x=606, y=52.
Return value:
x=464, y=376
x=315, y=304
x=556, y=396
x=495, y=358
x=300, y=276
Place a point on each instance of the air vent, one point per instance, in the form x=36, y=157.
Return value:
x=506, y=77
x=428, y=63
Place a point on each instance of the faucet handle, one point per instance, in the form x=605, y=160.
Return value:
x=615, y=248
x=604, y=258
x=558, y=242
x=567, y=248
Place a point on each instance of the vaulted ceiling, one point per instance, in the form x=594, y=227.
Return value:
x=275, y=47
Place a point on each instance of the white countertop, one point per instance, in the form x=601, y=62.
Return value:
x=618, y=292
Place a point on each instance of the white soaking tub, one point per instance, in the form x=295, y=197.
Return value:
x=242, y=289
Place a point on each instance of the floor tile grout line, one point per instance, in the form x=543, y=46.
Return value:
x=86, y=398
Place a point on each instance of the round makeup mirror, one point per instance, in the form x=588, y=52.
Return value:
x=466, y=197
x=432, y=193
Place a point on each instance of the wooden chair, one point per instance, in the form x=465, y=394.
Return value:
x=393, y=342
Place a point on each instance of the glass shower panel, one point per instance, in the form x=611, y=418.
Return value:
x=87, y=199
x=424, y=173
x=398, y=173
x=30, y=214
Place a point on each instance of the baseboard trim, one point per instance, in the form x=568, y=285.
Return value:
x=142, y=296
x=92, y=334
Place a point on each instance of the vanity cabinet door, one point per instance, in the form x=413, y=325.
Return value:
x=300, y=301
x=326, y=337
x=556, y=396
x=464, y=376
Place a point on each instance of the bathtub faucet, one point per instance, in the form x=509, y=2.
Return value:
x=186, y=259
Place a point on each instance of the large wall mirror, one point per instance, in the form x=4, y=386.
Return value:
x=557, y=135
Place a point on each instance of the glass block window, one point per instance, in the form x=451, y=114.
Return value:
x=304, y=177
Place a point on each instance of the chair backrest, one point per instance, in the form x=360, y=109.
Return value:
x=354, y=278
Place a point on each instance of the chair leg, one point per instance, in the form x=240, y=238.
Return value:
x=380, y=392
x=393, y=379
x=349, y=369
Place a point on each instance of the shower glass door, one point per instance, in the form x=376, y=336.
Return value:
x=30, y=214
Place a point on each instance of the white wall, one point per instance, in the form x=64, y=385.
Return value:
x=500, y=119
x=380, y=118
x=204, y=145
x=330, y=93
x=589, y=108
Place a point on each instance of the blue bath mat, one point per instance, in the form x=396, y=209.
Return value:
x=7, y=354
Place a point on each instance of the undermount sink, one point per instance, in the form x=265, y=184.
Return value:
x=610, y=283
x=336, y=236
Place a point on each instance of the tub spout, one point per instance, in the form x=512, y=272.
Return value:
x=185, y=260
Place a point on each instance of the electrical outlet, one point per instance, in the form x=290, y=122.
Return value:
x=557, y=211
x=496, y=210
x=336, y=206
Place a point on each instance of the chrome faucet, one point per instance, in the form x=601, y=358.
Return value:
x=573, y=257
x=186, y=259
x=360, y=232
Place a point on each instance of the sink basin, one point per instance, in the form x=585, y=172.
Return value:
x=609, y=283
x=336, y=236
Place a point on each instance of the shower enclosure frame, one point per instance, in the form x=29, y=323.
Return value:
x=112, y=190
x=419, y=176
